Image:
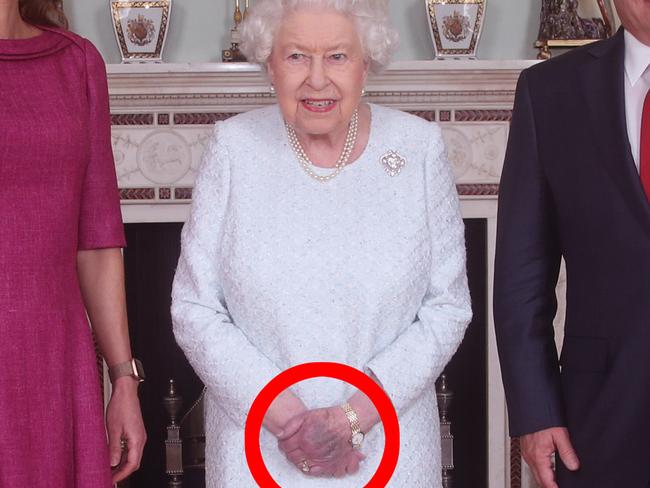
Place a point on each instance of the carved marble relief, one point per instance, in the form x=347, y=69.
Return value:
x=151, y=157
x=476, y=151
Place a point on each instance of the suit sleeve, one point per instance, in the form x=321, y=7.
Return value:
x=217, y=349
x=526, y=270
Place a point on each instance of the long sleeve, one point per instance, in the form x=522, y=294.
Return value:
x=526, y=270
x=418, y=355
x=100, y=220
x=231, y=367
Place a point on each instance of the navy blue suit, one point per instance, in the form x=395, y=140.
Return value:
x=570, y=189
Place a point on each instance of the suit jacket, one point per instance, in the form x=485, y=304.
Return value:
x=570, y=189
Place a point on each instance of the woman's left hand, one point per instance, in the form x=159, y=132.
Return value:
x=126, y=433
x=323, y=442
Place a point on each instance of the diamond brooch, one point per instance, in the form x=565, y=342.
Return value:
x=392, y=163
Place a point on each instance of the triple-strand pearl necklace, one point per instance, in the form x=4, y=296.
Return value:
x=344, y=158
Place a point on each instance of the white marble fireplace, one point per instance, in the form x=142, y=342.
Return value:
x=162, y=115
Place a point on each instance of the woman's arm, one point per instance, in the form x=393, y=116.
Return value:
x=101, y=278
x=284, y=408
x=231, y=366
x=100, y=268
x=365, y=409
x=412, y=362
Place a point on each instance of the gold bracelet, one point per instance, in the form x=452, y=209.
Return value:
x=357, y=436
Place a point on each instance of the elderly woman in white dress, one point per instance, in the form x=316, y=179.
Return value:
x=322, y=229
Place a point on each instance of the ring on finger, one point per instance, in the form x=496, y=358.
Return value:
x=122, y=444
x=304, y=466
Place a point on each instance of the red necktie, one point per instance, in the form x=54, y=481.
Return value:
x=644, y=159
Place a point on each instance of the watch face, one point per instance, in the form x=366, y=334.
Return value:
x=357, y=439
x=138, y=370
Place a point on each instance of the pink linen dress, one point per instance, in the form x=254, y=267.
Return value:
x=58, y=195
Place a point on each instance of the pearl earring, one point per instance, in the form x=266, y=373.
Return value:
x=272, y=90
x=363, y=92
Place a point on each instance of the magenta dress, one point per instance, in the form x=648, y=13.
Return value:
x=58, y=195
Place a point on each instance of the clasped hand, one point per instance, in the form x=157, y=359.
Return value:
x=318, y=443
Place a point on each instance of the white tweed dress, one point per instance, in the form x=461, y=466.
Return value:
x=278, y=269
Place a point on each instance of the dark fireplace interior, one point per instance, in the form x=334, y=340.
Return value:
x=150, y=260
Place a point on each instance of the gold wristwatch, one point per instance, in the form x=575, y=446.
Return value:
x=357, y=435
x=131, y=368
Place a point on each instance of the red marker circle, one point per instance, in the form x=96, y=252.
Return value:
x=313, y=370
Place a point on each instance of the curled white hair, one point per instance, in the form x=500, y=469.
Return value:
x=378, y=38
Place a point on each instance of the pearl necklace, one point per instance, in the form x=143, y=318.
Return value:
x=344, y=158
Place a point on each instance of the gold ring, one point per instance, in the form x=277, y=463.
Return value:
x=304, y=465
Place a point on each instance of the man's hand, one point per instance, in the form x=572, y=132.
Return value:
x=321, y=438
x=537, y=449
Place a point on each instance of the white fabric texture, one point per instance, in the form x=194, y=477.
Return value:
x=278, y=269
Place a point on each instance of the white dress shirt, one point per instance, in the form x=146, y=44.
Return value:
x=637, y=84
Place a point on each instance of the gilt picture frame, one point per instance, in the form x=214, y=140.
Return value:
x=141, y=28
x=616, y=20
x=572, y=23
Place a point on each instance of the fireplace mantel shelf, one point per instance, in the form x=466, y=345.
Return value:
x=238, y=68
x=139, y=82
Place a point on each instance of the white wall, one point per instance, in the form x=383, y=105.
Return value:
x=199, y=29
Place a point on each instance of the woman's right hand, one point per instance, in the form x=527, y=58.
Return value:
x=320, y=440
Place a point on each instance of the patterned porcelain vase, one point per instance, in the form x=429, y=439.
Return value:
x=455, y=26
x=140, y=28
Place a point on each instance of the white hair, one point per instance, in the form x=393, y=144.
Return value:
x=378, y=38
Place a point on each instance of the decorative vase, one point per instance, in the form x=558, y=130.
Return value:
x=455, y=26
x=141, y=28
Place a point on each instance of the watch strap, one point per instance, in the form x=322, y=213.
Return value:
x=353, y=419
x=133, y=368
